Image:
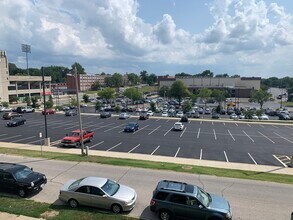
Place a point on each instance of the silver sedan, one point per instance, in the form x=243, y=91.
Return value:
x=98, y=192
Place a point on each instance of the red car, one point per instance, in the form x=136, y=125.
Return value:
x=48, y=112
x=73, y=139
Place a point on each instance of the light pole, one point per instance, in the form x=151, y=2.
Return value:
x=26, y=49
x=79, y=115
x=46, y=140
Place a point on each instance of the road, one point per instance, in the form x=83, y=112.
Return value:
x=250, y=200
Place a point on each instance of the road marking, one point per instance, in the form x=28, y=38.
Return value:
x=183, y=131
x=154, y=130
x=198, y=132
x=215, y=134
x=231, y=135
x=200, y=122
x=248, y=125
x=177, y=152
x=168, y=131
x=3, y=134
x=284, y=138
x=262, y=126
x=289, y=127
x=226, y=156
x=133, y=148
x=22, y=139
x=155, y=150
x=114, y=146
x=189, y=122
x=224, y=124
x=55, y=142
x=35, y=141
x=168, y=120
x=236, y=124
x=200, y=155
x=266, y=137
x=96, y=144
x=102, y=126
x=10, y=137
x=275, y=126
x=248, y=136
x=252, y=159
x=140, y=129
x=121, y=131
x=113, y=128
x=158, y=119
x=285, y=165
x=212, y=123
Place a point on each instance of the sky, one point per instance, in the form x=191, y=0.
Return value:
x=244, y=37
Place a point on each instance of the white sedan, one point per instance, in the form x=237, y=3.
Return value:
x=150, y=113
x=178, y=126
x=254, y=116
x=179, y=114
x=263, y=117
x=164, y=114
x=5, y=109
x=123, y=115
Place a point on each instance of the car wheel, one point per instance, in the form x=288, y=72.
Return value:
x=73, y=203
x=116, y=208
x=90, y=139
x=78, y=144
x=21, y=192
x=165, y=215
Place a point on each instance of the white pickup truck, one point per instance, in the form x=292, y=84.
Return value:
x=25, y=109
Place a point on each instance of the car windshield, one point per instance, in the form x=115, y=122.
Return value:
x=22, y=173
x=75, y=134
x=75, y=183
x=110, y=187
x=203, y=197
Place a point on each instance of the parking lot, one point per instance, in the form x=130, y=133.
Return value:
x=243, y=142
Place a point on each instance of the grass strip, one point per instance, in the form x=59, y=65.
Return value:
x=240, y=174
x=26, y=207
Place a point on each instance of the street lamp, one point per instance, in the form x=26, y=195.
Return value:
x=46, y=140
x=26, y=49
x=79, y=115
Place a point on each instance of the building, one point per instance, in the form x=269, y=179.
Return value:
x=13, y=86
x=237, y=87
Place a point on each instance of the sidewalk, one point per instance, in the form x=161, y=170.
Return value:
x=7, y=216
x=176, y=160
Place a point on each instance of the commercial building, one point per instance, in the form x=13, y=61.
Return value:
x=14, y=86
x=241, y=87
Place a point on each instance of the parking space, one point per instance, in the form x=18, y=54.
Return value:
x=252, y=143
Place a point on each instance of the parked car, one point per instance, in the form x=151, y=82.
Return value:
x=216, y=115
x=241, y=116
x=254, y=116
x=65, y=108
x=284, y=117
x=196, y=115
x=184, y=118
x=71, y=112
x=74, y=140
x=20, y=179
x=143, y=115
x=178, y=126
x=10, y=115
x=5, y=109
x=164, y=114
x=131, y=127
x=48, y=112
x=230, y=111
x=233, y=116
x=16, y=122
x=200, y=110
x=207, y=111
x=150, y=113
x=179, y=114
x=263, y=117
x=25, y=109
x=178, y=200
x=98, y=192
x=223, y=111
x=105, y=115
x=123, y=115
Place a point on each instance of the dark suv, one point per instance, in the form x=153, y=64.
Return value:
x=20, y=179
x=177, y=200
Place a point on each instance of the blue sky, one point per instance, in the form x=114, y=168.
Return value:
x=245, y=37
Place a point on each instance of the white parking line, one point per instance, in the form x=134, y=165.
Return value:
x=236, y=124
x=284, y=138
x=121, y=131
x=56, y=142
x=96, y=144
x=10, y=137
x=200, y=155
x=266, y=137
x=248, y=136
x=289, y=127
x=215, y=134
x=248, y=125
x=177, y=152
x=133, y=148
x=275, y=126
x=155, y=150
x=102, y=126
x=252, y=158
x=231, y=135
x=168, y=120
x=285, y=165
x=198, y=133
x=22, y=139
x=140, y=129
x=189, y=122
x=224, y=124
x=3, y=134
x=212, y=123
x=226, y=156
x=31, y=142
x=262, y=126
x=158, y=119
x=183, y=131
x=114, y=146
x=113, y=128
x=200, y=122
x=168, y=131
x=154, y=130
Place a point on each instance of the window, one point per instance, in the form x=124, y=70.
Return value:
x=97, y=191
x=8, y=177
x=161, y=195
x=179, y=199
x=84, y=189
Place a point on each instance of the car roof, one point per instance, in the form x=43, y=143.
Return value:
x=10, y=167
x=178, y=123
x=93, y=181
x=175, y=186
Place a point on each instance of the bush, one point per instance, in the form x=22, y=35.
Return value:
x=5, y=104
x=117, y=109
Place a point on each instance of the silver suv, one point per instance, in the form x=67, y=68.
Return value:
x=177, y=200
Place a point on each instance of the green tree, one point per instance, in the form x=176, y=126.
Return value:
x=226, y=75
x=182, y=74
x=164, y=91
x=219, y=95
x=35, y=101
x=204, y=94
x=86, y=98
x=151, y=79
x=49, y=103
x=96, y=86
x=186, y=106
x=261, y=97
x=178, y=90
x=80, y=69
x=117, y=80
x=153, y=106
x=5, y=104
x=13, y=99
x=107, y=93
x=132, y=93
x=133, y=78
x=27, y=99
x=117, y=108
x=98, y=106
x=143, y=76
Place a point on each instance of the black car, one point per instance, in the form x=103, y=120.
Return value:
x=215, y=115
x=105, y=115
x=131, y=126
x=16, y=122
x=20, y=179
x=71, y=112
x=143, y=115
x=184, y=118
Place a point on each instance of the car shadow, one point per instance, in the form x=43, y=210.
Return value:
x=147, y=214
